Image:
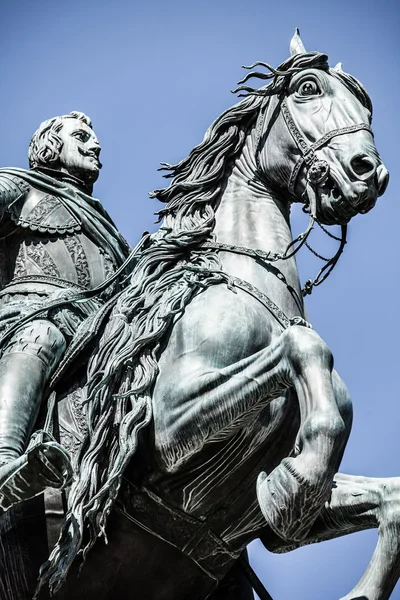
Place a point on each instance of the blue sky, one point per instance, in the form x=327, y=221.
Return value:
x=153, y=76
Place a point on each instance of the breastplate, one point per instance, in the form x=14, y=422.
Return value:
x=50, y=242
x=73, y=258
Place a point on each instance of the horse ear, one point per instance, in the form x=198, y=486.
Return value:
x=339, y=67
x=296, y=45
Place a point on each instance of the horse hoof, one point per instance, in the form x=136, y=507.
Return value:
x=288, y=501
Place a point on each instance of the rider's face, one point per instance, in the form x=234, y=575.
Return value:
x=80, y=152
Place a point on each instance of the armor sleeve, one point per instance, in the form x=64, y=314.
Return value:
x=10, y=188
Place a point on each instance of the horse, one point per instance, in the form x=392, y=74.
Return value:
x=212, y=414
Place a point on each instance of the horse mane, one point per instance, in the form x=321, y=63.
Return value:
x=197, y=179
x=124, y=366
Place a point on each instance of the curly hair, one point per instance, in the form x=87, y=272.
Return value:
x=45, y=145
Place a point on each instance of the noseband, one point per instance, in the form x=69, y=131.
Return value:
x=317, y=170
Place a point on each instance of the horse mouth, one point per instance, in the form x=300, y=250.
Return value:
x=335, y=208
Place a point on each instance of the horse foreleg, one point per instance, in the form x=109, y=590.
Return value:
x=292, y=495
x=359, y=503
x=194, y=402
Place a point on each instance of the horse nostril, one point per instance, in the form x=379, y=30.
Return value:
x=363, y=166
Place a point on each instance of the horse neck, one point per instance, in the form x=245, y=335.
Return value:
x=250, y=214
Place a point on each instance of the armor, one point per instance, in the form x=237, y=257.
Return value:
x=46, y=235
x=54, y=237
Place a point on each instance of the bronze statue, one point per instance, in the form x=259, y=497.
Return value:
x=55, y=240
x=210, y=413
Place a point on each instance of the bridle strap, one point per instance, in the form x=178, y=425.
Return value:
x=335, y=132
x=307, y=150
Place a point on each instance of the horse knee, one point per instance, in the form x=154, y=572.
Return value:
x=307, y=347
x=326, y=425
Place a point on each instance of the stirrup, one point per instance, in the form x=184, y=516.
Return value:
x=45, y=464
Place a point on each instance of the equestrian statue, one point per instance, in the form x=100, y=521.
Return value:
x=174, y=400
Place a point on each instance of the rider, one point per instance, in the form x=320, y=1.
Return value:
x=55, y=240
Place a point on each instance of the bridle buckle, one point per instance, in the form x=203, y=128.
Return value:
x=318, y=172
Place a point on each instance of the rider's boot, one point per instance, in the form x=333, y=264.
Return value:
x=28, y=469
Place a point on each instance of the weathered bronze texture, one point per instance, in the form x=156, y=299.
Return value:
x=200, y=408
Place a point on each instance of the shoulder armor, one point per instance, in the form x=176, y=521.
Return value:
x=11, y=187
x=44, y=212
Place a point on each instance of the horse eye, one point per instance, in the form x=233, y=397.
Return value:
x=309, y=88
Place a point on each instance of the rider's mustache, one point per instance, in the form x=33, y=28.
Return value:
x=93, y=153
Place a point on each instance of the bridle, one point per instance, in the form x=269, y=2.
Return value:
x=317, y=173
x=317, y=169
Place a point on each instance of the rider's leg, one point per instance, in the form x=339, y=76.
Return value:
x=26, y=365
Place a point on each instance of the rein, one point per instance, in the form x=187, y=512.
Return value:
x=272, y=257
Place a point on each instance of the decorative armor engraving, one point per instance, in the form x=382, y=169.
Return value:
x=46, y=206
x=79, y=258
x=37, y=253
x=78, y=410
x=109, y=265
x=70, y=442
x=11, y=185
x=109, y=270
x=20, y=269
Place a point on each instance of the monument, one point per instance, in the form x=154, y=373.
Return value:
x=175, y=401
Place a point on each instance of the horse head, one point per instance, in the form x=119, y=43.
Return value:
x=313, y=137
